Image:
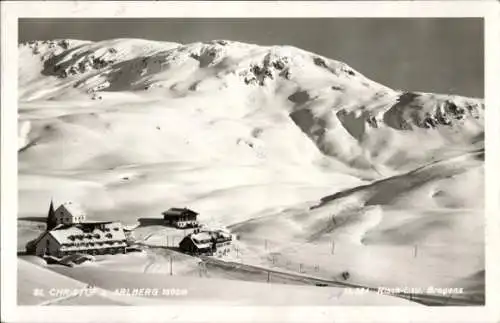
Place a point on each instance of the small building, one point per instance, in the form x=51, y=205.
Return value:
x=69, y=213
x=181, y=218
x=197, y=244
x=92, y=238
x=221, y=241
x=212, y=242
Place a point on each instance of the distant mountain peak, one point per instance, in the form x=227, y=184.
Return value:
x=320, y=92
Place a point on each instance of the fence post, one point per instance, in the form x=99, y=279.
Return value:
x=333, y=247
x=202, y=268
x=415, y=250
x=448, y=299
x=171, y=265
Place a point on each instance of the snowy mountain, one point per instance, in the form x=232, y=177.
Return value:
x=271, y=142
x=343, y=113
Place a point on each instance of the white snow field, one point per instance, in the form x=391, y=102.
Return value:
x=315, y=169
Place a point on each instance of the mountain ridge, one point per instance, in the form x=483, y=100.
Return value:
x=326, y=99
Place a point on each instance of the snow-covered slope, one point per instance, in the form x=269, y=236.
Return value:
x=270, y=141
x=73, y=286
x=346, y=116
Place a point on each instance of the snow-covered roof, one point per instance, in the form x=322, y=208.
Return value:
x=88, y=232
x=218, y=234
x=201, y=240
x=201, y=236
x=74, y=209
x=129, y=227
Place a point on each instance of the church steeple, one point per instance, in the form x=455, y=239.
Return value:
x=51, y=217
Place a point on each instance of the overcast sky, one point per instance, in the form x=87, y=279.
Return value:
x=444, y=55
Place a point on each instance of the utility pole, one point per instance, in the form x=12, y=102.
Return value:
x=268, y=276
x=333, y=247
x=171, y=261
x=415, y=250
x=200, y=266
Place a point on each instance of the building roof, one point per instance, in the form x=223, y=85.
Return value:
x=34, y=242
x=202, y=240
x=91, y=222
x=73, y=208
x=88, y=232
x=179, y=211
x=220, y=235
